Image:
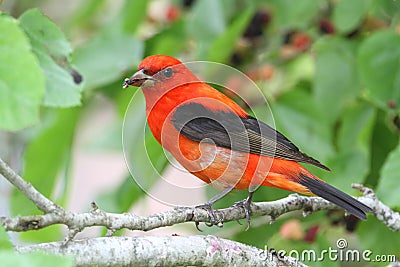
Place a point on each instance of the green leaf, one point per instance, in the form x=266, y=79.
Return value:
x=355, y=131
x=335, y=82
x=387, y=190
x=105, y=58
x=299, y=69
x=205, y=24
x=223, y=46
x=5, y=243
x=45, y=155
x=206, y=21
x=385, y=9
x=165, y=42
x=351, y=163
x=348, y=14
x=12, y=259
x=379, y=65
x=297, y=16
x=133, y=13
x=382, y=143
x=63, y=87
x=128, y=193
x=85, y=14
x=371, y=231
x=22, y=84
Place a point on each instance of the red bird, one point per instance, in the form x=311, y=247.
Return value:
x=220, y=143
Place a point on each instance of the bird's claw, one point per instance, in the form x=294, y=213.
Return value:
x=210, y=211
x=245, y=204
x=211, y=214
x=197, y=226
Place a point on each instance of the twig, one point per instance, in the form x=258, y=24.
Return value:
x=41, y=202
x=382, y=212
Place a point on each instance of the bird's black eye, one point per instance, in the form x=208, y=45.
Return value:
x=168, y=72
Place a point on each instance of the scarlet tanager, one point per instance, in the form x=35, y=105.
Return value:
x=220, y=143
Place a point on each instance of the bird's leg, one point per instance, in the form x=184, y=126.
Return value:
x=245, y=204
x=207, y=206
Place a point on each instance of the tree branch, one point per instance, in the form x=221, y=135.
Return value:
x=41, y=202
x=163, y=251
x=78, y=221
x=382, y=212
x=187, y=214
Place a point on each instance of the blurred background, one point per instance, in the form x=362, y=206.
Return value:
x=330, y=70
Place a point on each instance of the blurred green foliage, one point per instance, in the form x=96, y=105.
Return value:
x=330, y=70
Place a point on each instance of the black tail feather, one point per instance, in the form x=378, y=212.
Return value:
x=334, y=195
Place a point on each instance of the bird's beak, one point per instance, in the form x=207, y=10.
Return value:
x=138, y=79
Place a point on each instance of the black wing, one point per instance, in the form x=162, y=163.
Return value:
x=226, y=129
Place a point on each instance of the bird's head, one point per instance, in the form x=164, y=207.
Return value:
x=152, y=69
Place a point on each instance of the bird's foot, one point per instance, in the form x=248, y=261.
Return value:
x=245, y=204
x=211, y=214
